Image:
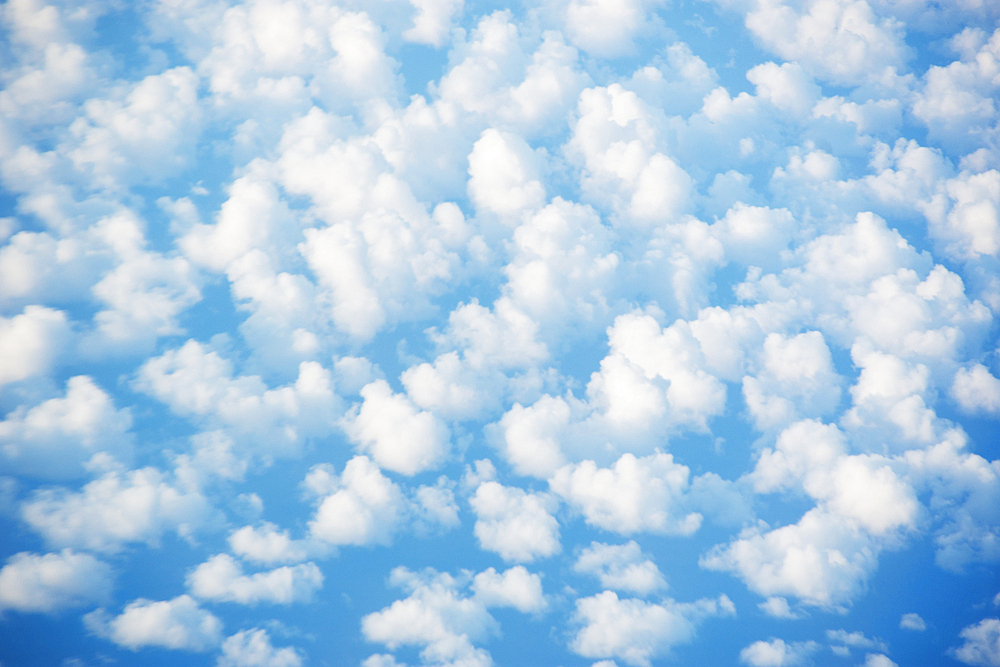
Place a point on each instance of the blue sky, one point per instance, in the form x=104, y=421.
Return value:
x=437, y=333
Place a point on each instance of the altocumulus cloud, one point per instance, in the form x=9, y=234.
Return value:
x=433, y=332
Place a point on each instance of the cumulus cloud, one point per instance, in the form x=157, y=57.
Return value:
x=438, y=617
x=252, y=648
x=116, y=509
x=221, y=579
x=50, y=583
x=912, y=621
x=778, y=653
x=637, y=631
x=178, y=624
x=621, y=567
x=361, y=506
x=397, y=435
x=517, y=525
x=55, y=438
x=981, y=643
x=635, y=495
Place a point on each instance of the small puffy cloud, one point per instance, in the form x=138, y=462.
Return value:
x=398, y=436
x=605, y=28
x=621, y=567
x=252, y=648
x=842, y=41
x=49, y=583
x=823, y=560
x=778, y=653
x=198, y=383
x=55, y=438
x=361, y=506
x=637, y=631
x=515, y=587
x=878, y=660
x=982, y=643
x=634, y=495
x=118, y=508
x=912, y=621
x=267, y=544
x=976, y=390
x=221, y=579
x=517, y=525
x=437, y=617
x=31, y=342
x=432, y=21
x=504, y=175
x=178, y=624
x=777, y=607
x=857, y=640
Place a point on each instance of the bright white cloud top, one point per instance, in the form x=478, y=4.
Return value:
x=562, y=332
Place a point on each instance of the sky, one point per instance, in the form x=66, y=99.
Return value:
x=444, y=333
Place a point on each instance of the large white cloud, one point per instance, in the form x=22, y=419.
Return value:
x=178, y=624
x=221, y=579
x=49, y=583
x=517, y=525
x=637, y=631
x=56, y=438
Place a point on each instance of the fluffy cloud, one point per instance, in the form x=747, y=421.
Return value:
x=843, y=41
x=268, y=545
x=621, y=568
x=56, y=438
x=49, y=583
x=178, y=624
x=637, y=631
x=361, y=506
x=635, y=495
x=976, y=389
x=221, y=579
x=252, y=648
x=912, y=621
x=397, y=435
x=517, y=525
x=778, y=653
x=115, y=509
x=446, y=624
x=31, y=342
x=196, y=382
x=982, y=643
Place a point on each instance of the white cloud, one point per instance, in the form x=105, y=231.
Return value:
x=268, y=545
x=912, y=621
x=49, y=583
x=221, y=579
x=31, y=342
x=976, y=389
x=504, y=175
x=252, y=648
x=777, y=607
x=517, y=525
x=436, y=617
x=878, y=660
x=778, y=653
x=515, y=587
x=55, y=438
x=178, y=624
x=361, y=507
x=982, y=643
x=397, y=435
x=621, y=567
x=149, y=134
x=637, y=631
x=115, y=509
x=196, y=382
x=823, y=560
x=605, y=28
x=432, y=21
x=842, y=41
x=855, y=640
x=635, y=495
